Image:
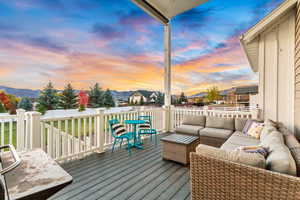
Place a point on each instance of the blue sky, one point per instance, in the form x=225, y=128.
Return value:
x=116, y=44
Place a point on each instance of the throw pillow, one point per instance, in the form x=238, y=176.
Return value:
x=247, y=126
x=255, y=129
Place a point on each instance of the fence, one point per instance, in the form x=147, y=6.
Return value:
x=65, y=138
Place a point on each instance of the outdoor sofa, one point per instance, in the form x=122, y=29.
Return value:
x=220, y=172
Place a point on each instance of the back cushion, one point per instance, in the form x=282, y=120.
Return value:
x=266, y=131
x=280, y=158
x=222, y=123
x=294, y=146
x=239, y=123
x=118, y=129
x=194, y=120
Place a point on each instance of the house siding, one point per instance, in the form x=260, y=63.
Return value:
x=276, y=71
x=297, y=71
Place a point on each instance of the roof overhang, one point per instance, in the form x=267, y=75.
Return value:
x=164, y=10
x=250, y=39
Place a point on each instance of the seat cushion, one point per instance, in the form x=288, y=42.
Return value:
x=239, y=123
x=220, y=123
x=216, y=133
x=194, y=120
x=189, y=129
x=252, y=159
x=238, y=139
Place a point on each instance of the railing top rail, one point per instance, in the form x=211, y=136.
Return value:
x=7, y=116
x=81, y=116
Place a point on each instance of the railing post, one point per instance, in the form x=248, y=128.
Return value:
x=35, y=130
x=20, y=134
x=100, y=132
x=255, y=113
x=167, y=118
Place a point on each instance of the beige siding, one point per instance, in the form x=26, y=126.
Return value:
x=297, y=71
x=276, y=74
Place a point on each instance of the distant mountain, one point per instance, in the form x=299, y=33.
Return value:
x=21, y=92
x=120, y=95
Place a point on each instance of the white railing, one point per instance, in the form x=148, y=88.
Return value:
x=8, y=126
x=178, y=114
x=64, y=138
x=71, y=137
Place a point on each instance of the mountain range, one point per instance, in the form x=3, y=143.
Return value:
x=121, y=95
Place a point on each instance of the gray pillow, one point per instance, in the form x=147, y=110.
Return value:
x=252, y=159
x=194, y=120
x=247, y=126
x=240, y=124
x=222, y=123
x=266, y=131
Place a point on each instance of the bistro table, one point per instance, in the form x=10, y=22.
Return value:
x=134, y=123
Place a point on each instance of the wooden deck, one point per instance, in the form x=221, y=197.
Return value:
x=143, y=175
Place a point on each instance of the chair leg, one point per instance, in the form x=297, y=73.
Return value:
x=155, y=139
x=113, y=148
x=121, y=143
x=128, y=145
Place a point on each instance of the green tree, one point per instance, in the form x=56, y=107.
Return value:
x=68, y=98
x=96, y=97
x=48, y=99
x=108, y=99
x=2, y=109
x=182, y=99
x=25, y=104
x=159, y=100
x=142, y=102
x=213, y=94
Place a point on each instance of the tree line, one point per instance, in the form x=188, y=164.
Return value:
x=51, y=99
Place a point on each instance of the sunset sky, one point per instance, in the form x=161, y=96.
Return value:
x=116, y=44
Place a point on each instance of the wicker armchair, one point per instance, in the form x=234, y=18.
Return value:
x=215, y=179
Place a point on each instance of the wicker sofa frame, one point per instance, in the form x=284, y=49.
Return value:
x=215, y=179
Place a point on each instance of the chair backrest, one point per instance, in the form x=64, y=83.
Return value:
x=147, y=119
x=111, y=123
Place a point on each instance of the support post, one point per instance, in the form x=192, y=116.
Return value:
x=20, y=129
x=35, y=129
x=167, y=78
x=100, y=132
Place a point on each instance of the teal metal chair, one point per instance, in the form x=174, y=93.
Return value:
x=146, y=129
x=119, y=133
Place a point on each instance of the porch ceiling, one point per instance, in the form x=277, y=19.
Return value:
x=164, y=10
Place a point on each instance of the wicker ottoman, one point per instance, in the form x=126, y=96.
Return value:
x=177, y=147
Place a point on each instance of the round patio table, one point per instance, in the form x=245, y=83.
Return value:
x=134, y=123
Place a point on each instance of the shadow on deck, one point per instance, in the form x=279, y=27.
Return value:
x=143, y=175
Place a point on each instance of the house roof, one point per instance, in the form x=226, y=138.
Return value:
x=165, y=10
x=253, y=89
x=250, y=39
x=145, y=93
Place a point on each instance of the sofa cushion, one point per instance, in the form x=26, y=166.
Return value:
x=291, y=141
x=215, y=132
x=266, y=131
x=239, y=123
x=189, y=129
x=294, y=146
x=252, y=159
x=221, y=123
x=238, y=139
x=273, y=140
x=281, y=160
x=194, y=120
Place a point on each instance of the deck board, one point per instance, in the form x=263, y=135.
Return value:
x=143, y=175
